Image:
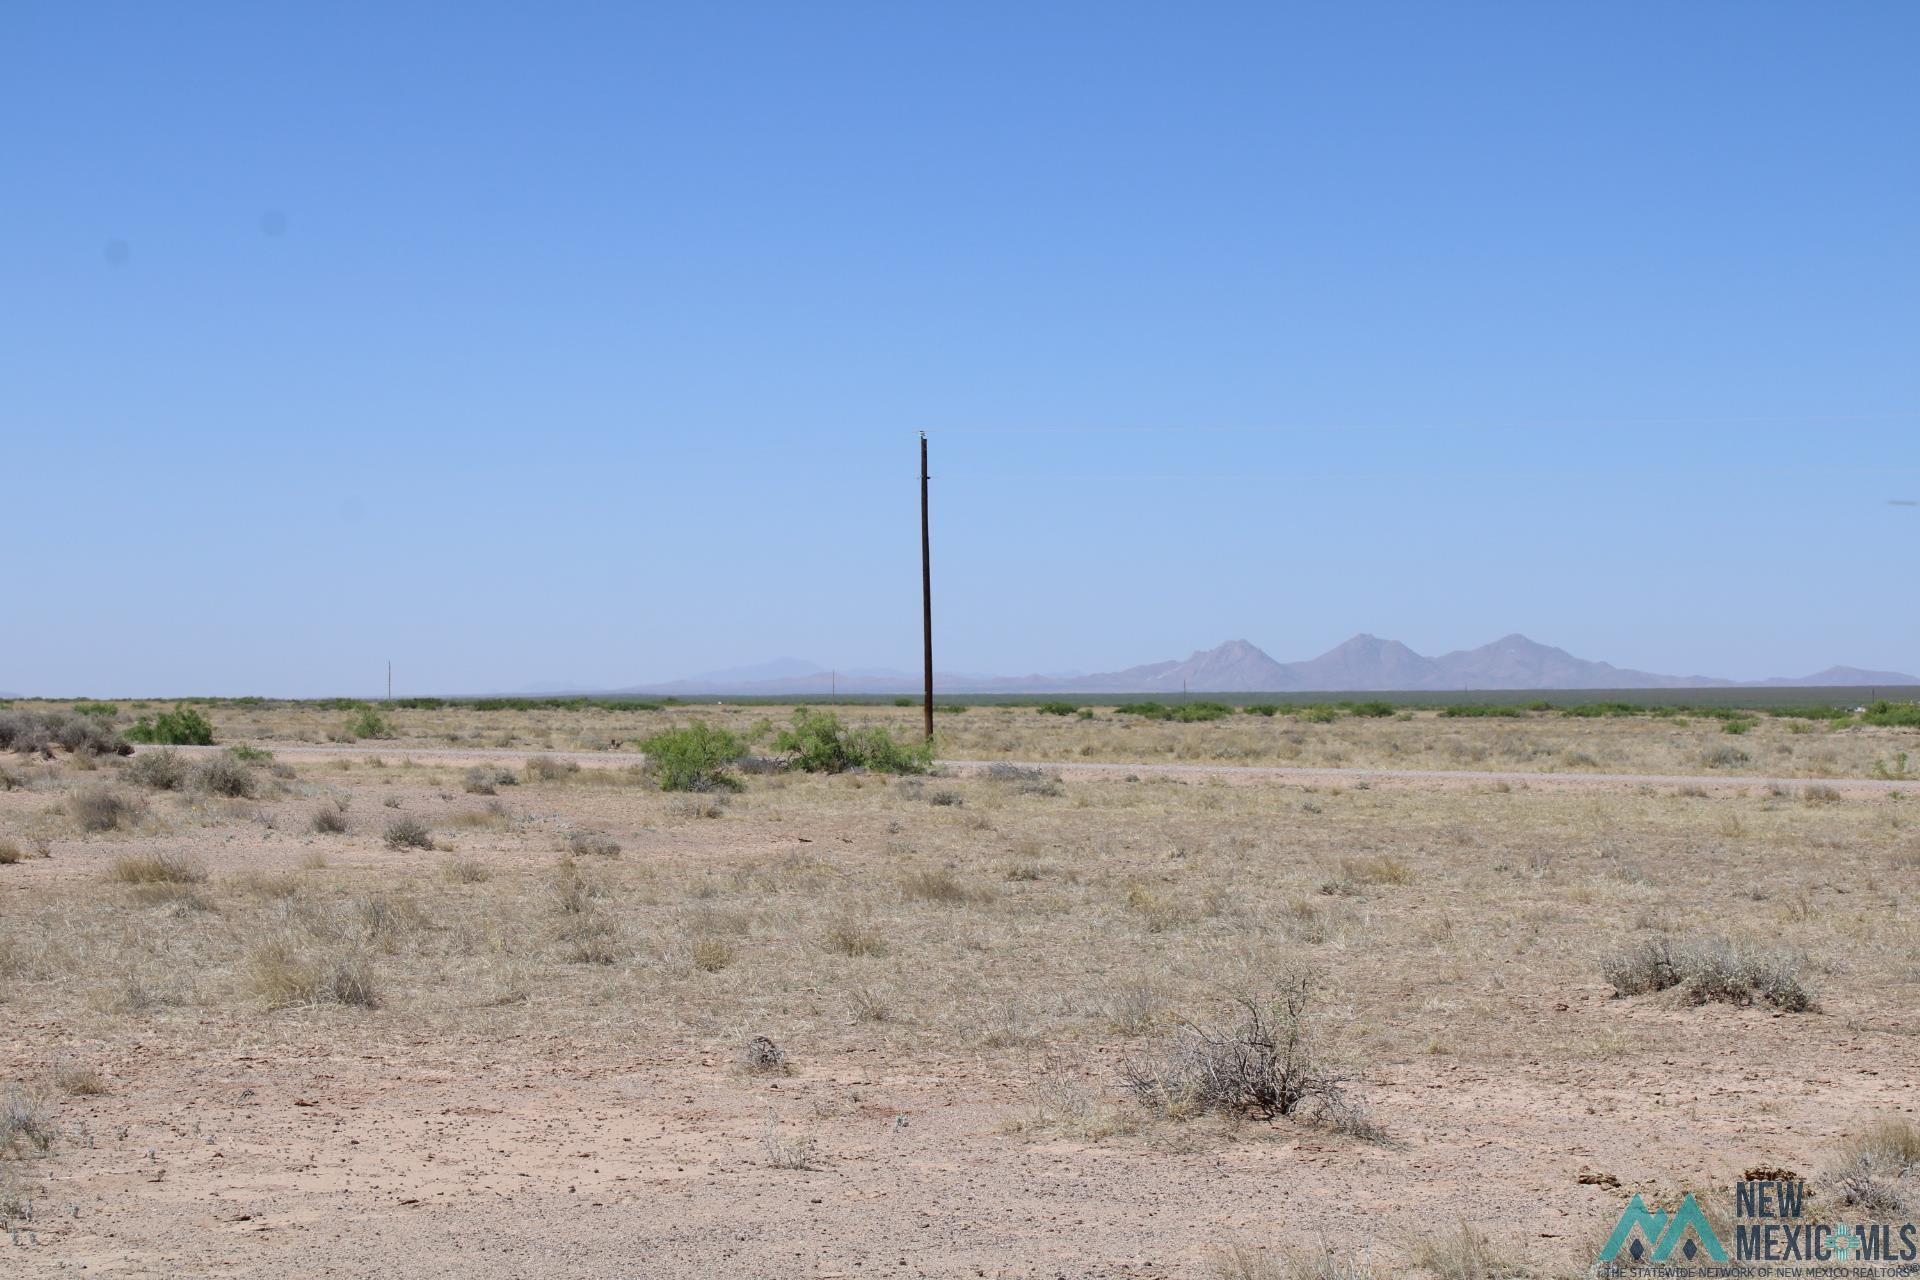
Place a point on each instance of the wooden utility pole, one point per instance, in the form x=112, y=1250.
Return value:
x=926, y=586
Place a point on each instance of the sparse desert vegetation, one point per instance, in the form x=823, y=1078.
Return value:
x=798, y=988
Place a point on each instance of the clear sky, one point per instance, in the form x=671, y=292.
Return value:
x=529, y=344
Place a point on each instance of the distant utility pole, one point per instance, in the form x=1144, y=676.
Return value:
x=926, y=586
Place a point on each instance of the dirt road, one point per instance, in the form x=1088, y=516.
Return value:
x=1288, y=775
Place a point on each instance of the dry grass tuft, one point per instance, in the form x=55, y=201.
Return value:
x=854, y=936
x=592, y=844
x=802, y=1153
x=1376, y=870
x=156, y=868
x=710, y=954
x=1877, y=1169
x=1710, y=970
x=487, y=779
x=465, y=871
x=295, y=972
x=226, y=774
x=1463, y=1254
x=495, y=817
x=548, y=769
x=81, y=1082
x=1237, y=1260
x=939, y=884
x=408, y=832
x=10, y=853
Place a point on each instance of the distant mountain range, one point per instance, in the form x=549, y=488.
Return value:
x=1363, y=664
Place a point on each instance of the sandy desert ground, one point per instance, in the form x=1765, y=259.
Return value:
x=520, y=1039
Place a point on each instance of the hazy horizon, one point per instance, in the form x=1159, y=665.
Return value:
x=592, y=350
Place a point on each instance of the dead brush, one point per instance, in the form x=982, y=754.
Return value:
x=159, y=770
x=1026, y=780
x=487, y=779
x=798, y=1154
x=26, y=1125
x=225, y=775
x=592, y=844
x=408, y=832
x=1709, y=970
x=101, y=808
x=760, y=1056
x=10, y=853
x=1265, y=1064
x=330, y=818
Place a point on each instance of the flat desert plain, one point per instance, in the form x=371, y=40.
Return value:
x=480, y=999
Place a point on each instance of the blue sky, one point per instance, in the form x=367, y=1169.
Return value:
x=588, y=344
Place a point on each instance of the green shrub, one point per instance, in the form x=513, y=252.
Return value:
x=1260, y=709
x=1200, y=711
x=1735, y=726
x=1595, y=710
x=1321, y=714
x=1479, y=710
x=180, y=727
x=105, y=710
x=369, y=723
x=1056, y=708
x=1810, y=713
x=1148, y=710
x=1900, y=715
x=1375, y=710
x=903, y=702
x=819, y=743
x=696, y=758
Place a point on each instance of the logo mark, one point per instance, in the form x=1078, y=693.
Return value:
x=1650, y=1235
